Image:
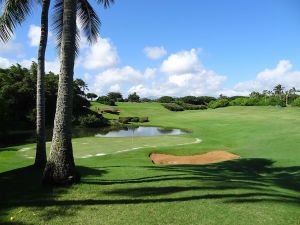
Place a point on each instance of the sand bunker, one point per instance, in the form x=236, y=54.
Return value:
x=206, y=158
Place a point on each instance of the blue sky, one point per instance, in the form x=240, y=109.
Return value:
x=172, y=47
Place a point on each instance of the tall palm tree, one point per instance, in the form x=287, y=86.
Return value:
x=41, y=157
x=60, y=167
x=14, y=13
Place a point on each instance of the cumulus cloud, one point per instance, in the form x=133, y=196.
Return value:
x=182, y=62
x=11, y=47
x=5, y=63
x=184, y=75
x=180, y=74
x=155, y=52
x=268, y=78
x=34, y=34
x=102, y=54
x=116, y=78
x=52, y=66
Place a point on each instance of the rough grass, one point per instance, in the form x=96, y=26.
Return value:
x=126, y=188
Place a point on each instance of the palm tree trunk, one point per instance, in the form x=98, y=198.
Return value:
x=40, y=157
x=60, y=168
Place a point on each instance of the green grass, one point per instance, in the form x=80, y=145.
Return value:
x=263, y=187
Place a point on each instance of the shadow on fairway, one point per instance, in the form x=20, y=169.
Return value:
x=238, y=181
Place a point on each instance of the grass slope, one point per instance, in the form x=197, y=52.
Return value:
x=126, y=188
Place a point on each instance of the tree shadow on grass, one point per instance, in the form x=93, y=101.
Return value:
x=22, y=187
x=238, y=181
x=259, y=177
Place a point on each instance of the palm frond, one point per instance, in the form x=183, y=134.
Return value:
x=58, y=22
x=14, y=13
x=57, y=26
x=89, y=21
x=105, y=3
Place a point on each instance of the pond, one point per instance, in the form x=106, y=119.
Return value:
x=22, y=137
x=140, y=131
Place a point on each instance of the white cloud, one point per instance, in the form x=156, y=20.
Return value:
x=155, y=52
x=34, y=35
x=101, y=55
x=52, y=66
x=5, y=63
x=11, y=48
x=115, y=88
x=115, y=78
x=87, y=77
x=269, y=78
x=181, y=62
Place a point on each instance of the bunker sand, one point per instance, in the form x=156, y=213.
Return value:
x=202, y=159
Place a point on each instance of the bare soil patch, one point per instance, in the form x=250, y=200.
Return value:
x=202, y=159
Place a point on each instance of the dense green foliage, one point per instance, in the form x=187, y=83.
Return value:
x=133, y=97
x=94, y=120
x=296, y=102
x=18, y=98
x=166, y=99
x=106, y=100
x=135, y=119
x=173, y=106
x=223, y=102
x=115, y=96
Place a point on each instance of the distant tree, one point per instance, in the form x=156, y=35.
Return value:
x=115, y=96
x=81, y=85
x=146, y=100
x=221, y=96
x=289, y=93
x=204, y=100
x=166, y=99
x=255, y=94
x=91, y=96
x=279, y=90
x=106, y=100
x=133, y=97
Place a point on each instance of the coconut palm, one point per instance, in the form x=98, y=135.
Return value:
x=14, y=13
x=60, y=167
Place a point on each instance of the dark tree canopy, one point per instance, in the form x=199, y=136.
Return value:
x=133, y=97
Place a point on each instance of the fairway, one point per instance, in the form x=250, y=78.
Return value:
x=124, y=187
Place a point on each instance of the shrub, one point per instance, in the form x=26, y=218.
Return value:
x=124, y=120
x=143, y=119
x=166, y=99
x=172, y=107
x=129, y=119
x=275, y=100
x=251, y=101
x=106, y=101
x=135, y=119
x=239, y=101
x=92, y=121
x=187, y=106
x=296, y=102
x=223, y=102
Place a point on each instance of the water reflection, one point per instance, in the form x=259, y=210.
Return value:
x=140, y=131
x=29, y=136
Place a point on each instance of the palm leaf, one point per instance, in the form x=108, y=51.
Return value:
x=105, y=3
x=14, y=13
x=89, y=21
